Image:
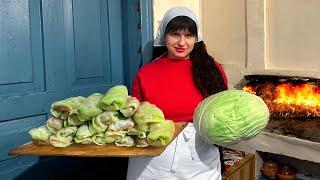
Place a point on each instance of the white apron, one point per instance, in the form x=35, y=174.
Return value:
x=187, y=157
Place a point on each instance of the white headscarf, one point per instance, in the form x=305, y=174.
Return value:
x=168, y=16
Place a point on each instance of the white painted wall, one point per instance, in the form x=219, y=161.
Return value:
x=263, y=36
x=292, y=34
x=224, y=32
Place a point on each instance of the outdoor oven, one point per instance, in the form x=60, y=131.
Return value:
x=292, y=136
x=293, y=102
x=271, y=48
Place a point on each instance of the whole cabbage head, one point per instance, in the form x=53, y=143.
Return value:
x=230, y=116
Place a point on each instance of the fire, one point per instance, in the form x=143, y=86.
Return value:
x=249, y=89
x=300, y=94
x=290, y=99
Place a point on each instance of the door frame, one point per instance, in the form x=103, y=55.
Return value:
x=137, y=45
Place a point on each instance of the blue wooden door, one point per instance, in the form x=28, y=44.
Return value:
x=51, y=50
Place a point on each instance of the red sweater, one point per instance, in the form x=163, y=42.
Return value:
x=168, y=84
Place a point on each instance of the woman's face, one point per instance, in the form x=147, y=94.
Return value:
x=180, y=44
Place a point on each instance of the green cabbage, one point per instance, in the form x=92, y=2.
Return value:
x=230, y=116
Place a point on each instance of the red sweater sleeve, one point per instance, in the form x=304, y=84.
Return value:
x=223, y=74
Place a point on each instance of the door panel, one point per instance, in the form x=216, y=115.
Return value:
x=21, y=51
x=88, y=60
x=52, y=50
x=87, y=41
x=14, y=133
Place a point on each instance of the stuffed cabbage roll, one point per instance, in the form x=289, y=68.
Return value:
x=83, y=141
x=112, y=136
x=87, y=109
x=64, y=137
x=122, y=125
x=67, y=131
x=143, y=127
x=61, y=141
x=101, y=122
x=130, y=107
x=61, y=109
x=41, y=133
x=99, y=139
x=126, y=141
x=148, y=113
x=54, y=124
x=137, y=132
x=148, y=127
x=115, y=98
x=141, y=142
x=83, y=135
x=162, y=136
x=73, y=121
x=92, y=129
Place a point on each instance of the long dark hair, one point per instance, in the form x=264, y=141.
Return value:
x=205, y=73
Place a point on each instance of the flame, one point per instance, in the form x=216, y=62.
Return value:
x=300, y=94
x=249, y=89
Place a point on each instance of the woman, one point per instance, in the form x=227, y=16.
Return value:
x=177, y=82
